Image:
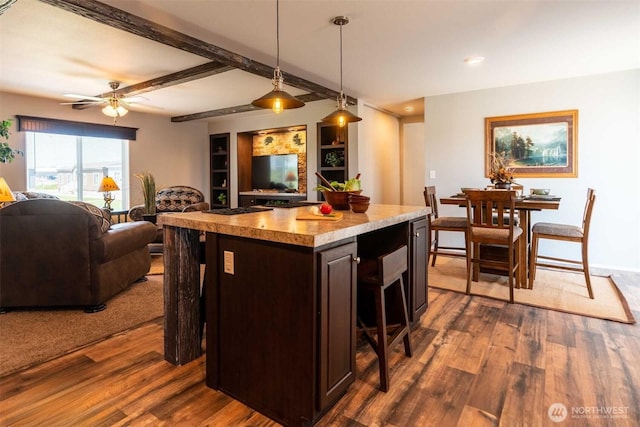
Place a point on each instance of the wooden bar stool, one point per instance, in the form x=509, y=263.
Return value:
x=377, y=276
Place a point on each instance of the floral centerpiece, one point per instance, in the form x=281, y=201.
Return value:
x=500, y=173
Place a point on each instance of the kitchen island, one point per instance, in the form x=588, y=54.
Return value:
x=281, y=299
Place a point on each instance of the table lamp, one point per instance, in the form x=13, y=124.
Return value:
x=5, y=193
x=291, y=177
x=107, y=186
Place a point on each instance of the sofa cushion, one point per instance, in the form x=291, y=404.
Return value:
x=102, y=218
x=122, y=239
x=36, y=195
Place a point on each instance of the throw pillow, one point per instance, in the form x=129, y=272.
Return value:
x=19, y=196
x=102, y=218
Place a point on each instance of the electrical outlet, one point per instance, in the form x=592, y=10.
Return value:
x=432, y=174
x=228, y=262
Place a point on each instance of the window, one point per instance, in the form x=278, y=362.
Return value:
x=71, y=167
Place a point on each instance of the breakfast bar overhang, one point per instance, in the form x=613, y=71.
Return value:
x=281, y=299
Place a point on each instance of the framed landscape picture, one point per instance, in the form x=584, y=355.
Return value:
x=535, y=145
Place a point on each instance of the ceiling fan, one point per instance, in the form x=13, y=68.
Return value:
x=114, y=105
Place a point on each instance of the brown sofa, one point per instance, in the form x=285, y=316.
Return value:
x=57, y=253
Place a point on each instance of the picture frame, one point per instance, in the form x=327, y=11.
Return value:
x=535, y=145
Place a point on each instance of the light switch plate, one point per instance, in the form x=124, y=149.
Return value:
x=228, y=262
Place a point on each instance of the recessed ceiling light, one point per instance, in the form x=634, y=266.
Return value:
x=472, y=60
x=409, y=108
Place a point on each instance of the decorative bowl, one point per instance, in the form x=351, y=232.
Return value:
x=358, y=198
x=339, y=200
x=359, y=207
x=540, y=191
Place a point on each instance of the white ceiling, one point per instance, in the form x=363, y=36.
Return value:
x=393, y=51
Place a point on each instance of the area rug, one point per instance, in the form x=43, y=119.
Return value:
x=554, y=290
x=30, y=337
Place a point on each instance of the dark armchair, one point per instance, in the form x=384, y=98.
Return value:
x=179, y=198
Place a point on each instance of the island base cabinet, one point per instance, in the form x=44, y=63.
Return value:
x=280, y=325
x=418, y=251
x=337, y=285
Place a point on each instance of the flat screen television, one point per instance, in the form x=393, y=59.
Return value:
x=275, y=172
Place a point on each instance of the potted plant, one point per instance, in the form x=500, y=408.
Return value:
x=500, y=173
x=334, y=158
x=7, y=154
x=148, y=184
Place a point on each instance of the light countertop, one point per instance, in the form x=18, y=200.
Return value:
x=280, y=224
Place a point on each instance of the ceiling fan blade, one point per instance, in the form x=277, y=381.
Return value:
x=82, y=103
x=133, y=99
x=93, y=98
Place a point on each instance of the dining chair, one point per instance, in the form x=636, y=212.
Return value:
x=518, y=188
x=445, y=223
x=490, y=217
x=567, y=233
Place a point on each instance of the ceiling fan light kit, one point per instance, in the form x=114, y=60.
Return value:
x=114, y=109
x=277, y=99
x=115, y=104
x=341, y=116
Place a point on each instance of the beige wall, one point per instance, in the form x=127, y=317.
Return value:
x=176, y=153
x=608, y=155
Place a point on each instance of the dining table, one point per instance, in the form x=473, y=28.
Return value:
x=524, y=205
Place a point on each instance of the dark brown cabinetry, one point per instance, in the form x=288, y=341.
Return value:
x=219, y=169
x=337, y=286
x=417, y=304
x=333, y=152
x=284, y=324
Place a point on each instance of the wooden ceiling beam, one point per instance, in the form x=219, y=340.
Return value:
x=308, y=97
x=142, y=27
x=184, y=76
x=179, y=77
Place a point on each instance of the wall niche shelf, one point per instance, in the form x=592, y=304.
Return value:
x=219, y=170
x=332, y=143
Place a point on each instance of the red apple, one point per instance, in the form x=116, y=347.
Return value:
x=325, y=209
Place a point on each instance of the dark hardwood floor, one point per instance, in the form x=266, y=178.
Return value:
x=476, y=362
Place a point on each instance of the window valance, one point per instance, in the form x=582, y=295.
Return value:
x=67, y=127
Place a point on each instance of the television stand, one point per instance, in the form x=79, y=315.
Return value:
x=252, y=198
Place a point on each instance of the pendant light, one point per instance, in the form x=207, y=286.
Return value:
x=277, y=99
x=341, y=116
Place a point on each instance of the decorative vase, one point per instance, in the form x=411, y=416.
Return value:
x=503, y=185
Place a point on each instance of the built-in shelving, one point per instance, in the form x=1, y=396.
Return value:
x=332, y=153
x=219, y=169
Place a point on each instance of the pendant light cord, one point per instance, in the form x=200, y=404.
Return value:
x=277, y=33
x=340, y=58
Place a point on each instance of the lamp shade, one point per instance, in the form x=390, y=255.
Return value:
x=5, y=192
x=341, y=117
x=277, y=100
x=114, y=110
x=108, y=184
